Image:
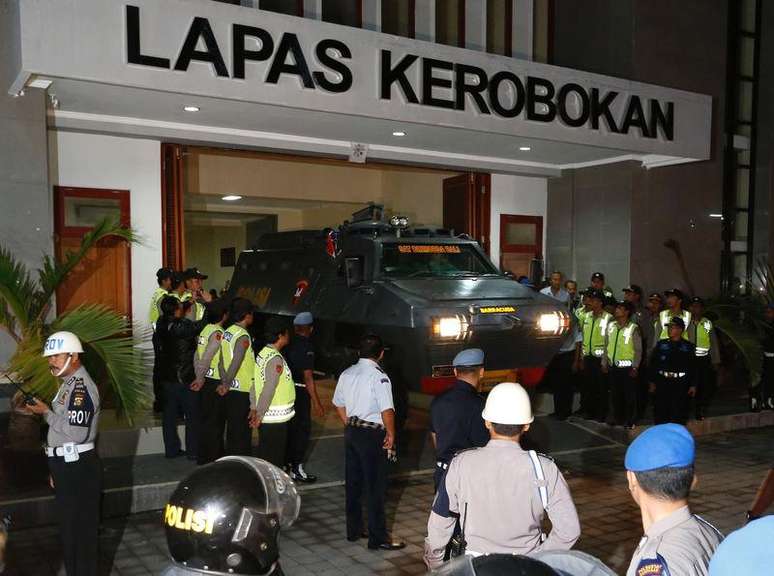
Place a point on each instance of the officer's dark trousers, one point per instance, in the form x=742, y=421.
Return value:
x=365, y=471
x=78, y=487
x=212, y=412
x=179, y=398
x=273, y=443
x=671, y=400
x=562, y=383
x=158, y=386
x=705, y=385
x=238, y=433
x=624, y=390
x=596, y=384
x=299, y=428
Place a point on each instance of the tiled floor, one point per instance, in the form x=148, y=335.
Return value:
x=730, y=467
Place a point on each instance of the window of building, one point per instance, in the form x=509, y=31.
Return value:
x=398, y=17
x=450, y=22
x=290, y=7
x=344, y=12
x=499, y=26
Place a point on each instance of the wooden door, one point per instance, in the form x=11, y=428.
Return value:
x=521, y=243
x=104, y=275
x=172, y=215
x=467, y=206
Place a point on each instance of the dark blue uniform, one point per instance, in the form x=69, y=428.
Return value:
x=299, y=355
x=673, y=371
x=455, y=418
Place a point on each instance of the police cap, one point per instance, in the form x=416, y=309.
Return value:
x=194, y=273
x=676, y=292
x=745, y=551
x=177, y=278
x=598, y=276
x=697, y=300
x=633, y=288
x=662, y=446
x=628, y=306
x=591, y=293
x=656, y=296
x=303, y=319
x=495, y=565
x=164, y=273
x=469, y=357
x=677, y=321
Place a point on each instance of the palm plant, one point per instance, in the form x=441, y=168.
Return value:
x=112, y=357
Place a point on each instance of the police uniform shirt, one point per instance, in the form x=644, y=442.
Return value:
x=679, y=545
x=74, y=413
x=300, y=357
x=365, y=391
x=499, y=485
x=455, y=419
x=675, y=357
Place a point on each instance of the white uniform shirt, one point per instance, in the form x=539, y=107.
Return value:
x=365, y=391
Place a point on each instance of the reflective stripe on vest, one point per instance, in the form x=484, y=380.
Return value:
x=703, y=342
x=620, y=344
x=244, y=376
x=665, y=316
x=154, y=314
x=201, y=346
x=594, y=329
x=282, y=404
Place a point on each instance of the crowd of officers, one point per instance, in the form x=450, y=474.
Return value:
x=620, y=352
x=206, y=371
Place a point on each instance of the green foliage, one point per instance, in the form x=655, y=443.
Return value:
x=112, y=355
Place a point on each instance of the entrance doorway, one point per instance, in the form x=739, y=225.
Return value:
x=467, y=206
x=521, y=245
x=104, y=275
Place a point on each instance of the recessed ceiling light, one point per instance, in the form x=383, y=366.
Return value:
x=525, y=148
x=399, y=133
x=716, y=216
x=231, y=198
x=191, y=108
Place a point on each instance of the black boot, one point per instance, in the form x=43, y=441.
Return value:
x=298, y=474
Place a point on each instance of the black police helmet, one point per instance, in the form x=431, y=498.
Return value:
x=225, y=517
x=496, y=565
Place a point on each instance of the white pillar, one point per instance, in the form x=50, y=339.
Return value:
x=372, y=15
x=313, y=9
x=424, y=20
x=475, y=25
x=523, y=23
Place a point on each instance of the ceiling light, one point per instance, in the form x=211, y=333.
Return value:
x=399, y=133
x=231, y=198
x=525, y=148
x=191, y=108
x=716, y=216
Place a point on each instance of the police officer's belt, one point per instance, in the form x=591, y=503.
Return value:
x=59, y=450
x=672, y=374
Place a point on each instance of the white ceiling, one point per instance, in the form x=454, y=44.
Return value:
x=118, y=109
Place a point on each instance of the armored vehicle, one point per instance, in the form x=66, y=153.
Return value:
x=427, y=292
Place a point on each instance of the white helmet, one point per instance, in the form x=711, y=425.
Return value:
x=62, y=343
x=508, y=403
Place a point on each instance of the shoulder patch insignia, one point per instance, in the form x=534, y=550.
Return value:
x=279, y=368
x=218, y=336
x=652, y=567
x=246, y=344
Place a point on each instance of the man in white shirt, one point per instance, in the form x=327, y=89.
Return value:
x=555, y=289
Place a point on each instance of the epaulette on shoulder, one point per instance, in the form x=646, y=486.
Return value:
x=465, y=451
x=379, y=368
x=546, y=456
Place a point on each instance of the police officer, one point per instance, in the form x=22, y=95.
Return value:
x=594, y=401
x=194, y=291
x=300, y=358
x=236, y=382
x=673, y=375
x=621, y=362
x=598, y=283
x=501, y=492
x=76, y=470
x=208, y=366
x=225, y=518
x=164, y=279
x=363, y=401
x=746, y=551
x=655, y=305
x=660, y=474
x=702, y=333
x=455, y=416
x=764, y=397
x=273, y=397
x=674, y=302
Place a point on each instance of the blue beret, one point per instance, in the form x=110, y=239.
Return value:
x=303, y=319
x=662, y=446
x=746, y=551
x=469, y=357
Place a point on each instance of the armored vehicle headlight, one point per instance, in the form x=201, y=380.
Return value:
x=450, y=327
x=553, y=323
